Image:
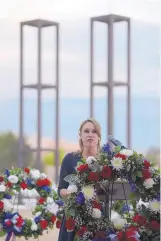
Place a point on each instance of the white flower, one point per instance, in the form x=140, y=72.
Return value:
x=90, y=160
x=35, y=174
x=154, y=205
x=72, y=188
x=2, y=188
x=120, y=223
x=8, y=206
x=37, y=214
x=13, y=179
x=114, y=216
x=117, y=163
x=49, y=200
x=53, y=208
x=34, y=226
x=43, y=176
x=88, y=192
x=148, y=183
x=96, y=213
x=126, y=152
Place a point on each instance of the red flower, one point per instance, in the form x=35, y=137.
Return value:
x=120, y=235
x=27, y=170
x=106, y=172
x=70, y=224
x=58, y=223
x=42, y=200
x=20, y=222
x=1, y=205
x=146, y=173
x=154, y=225
x=43, y=224
x=119, y=155
x=140, y=220
x=9, y=184
x=93, y=176
x=1, y=179
x=131, y=239
x=23, y=185
x=53, y=219
x=146, y=164
x=81, y=231
x=43, y=182
x=82, y=168
x=8, y=223
x=95, y=204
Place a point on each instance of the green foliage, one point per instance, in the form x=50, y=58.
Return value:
x=49, y=159
x=9, y=152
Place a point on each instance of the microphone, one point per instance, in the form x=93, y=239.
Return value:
x=116, y=142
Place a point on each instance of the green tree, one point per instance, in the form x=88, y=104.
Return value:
x=49, y=159
x=9, y=152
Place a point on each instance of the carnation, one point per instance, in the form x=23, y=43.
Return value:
x=96, y=213
x=35, y=174
x=72, y=188
x=13, y=179
x=90, y=160
x=148, y=183
x=2, y=188
x=126, y=152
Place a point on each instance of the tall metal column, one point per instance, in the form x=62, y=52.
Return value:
x=39, y=87
x=110, y=83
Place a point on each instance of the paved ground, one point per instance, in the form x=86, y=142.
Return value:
x=52, y=235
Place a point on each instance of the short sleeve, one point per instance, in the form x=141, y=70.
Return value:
x=66, y=169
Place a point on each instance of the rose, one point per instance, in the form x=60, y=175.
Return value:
x=81, y=231
x=154, y=225
x=106, y=172
x=53, y=219
x=95, y=204
x=43, y=182
x=42, y=200
x=146, y=173
x=13, y=179
x=140, y=220
x=93, y=176
x=1, y=179
x=23, y=185
x=43, y=224
x=119, y=155
x=58, y=223
x=1, y=205
x=70, y=224
x=82, y=168
x=146, y=164
x=27, y=170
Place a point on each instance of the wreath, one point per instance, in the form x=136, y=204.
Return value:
x=45, y=211
x=135, y=218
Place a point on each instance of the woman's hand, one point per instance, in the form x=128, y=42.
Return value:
x=64, y=193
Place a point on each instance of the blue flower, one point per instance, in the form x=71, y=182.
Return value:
x=80, y=198
x=126, y=208
x=47, y=189
x=7, y=173
x=7, y=196
x=29, y=182
x=106, y=148
x=37, y=219
x=60, y=203
x=133, y=186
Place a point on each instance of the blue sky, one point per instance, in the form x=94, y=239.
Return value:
x=73, y=17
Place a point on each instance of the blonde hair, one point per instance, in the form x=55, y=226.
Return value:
x=98, y=130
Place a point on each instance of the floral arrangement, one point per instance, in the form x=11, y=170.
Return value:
x=129, y=220
x=45, y=211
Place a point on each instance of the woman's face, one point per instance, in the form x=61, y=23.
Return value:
x=89, y=135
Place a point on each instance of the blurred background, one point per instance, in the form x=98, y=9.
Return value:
x=74, y=69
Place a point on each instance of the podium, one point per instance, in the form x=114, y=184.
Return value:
x=114, y=191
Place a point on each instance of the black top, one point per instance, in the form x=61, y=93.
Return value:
x=68, y=167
